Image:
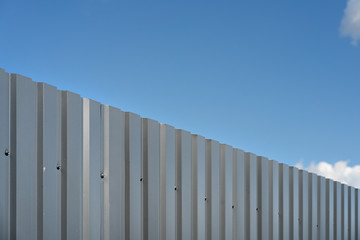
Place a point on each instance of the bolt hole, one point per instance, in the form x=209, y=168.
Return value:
x=6, y=152
x=141, y=179
x=232, y=206
x=102, y=175
x=205, y=199
x=175, y=188
x=58, y=167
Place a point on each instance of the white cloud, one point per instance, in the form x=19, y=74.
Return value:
x=340, y=171
x=350, y=24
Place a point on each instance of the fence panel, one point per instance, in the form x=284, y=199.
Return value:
x=321, y=208
x=151, y=190
x=239, y=193
x=304, y=204
x=91, y=169
x=73, y=168
x=133, y=176
x=213, y=158
x=5, y=155
x=251, y=196
x=185, y=180
x=330, y=223
x=338, y=209
x=199, y=193
x=72, y=184
x=227, y=185
x=345, y=211
x=351, y=214
x=274, y=200
x=49, y=157
x=24, y=148
x=263, y=196
x=284, y=201
x=294, y=203
x=168, y=182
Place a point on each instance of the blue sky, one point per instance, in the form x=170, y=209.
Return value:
x=276, y=78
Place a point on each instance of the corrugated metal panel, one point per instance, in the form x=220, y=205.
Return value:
x=330, y=207
x=185, y=184
x=227, y=183
x=5, y=155
x=345, y=211
x=24, y=146
x=49, y=151
x=263, y=196
x=304, y=204
x=274, y=199
x=213, y=158
x=284, y=201
x=321, y=208
x=133, y=176
x=151, y=182
x=351, y=214
x=239, y=194
x=199, y=193
x=72, y=168
x=168, y=182
x=252, y=206
x=294, y=203
x=338, y=211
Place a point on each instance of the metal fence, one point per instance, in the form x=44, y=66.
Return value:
x=72, y=168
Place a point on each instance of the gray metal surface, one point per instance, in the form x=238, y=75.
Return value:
x=151, y=173
x=284, y=202
x=274, y=199
x=228, y=207
x=49, y=150
x=133, y=176
x=239, y=194
x=252, y=207
x=213, y=159
x=338, y=211
x=263, y=196
x=168, y=182
x=321, y=208
x=294, y=203
x=72, y=168
x=4, y=155
x=330, y=223
x=304, y=204
x=24, y=136
x=199, y=193
x=185, y=183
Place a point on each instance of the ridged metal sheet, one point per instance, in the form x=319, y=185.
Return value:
x=72, y=168
x=5, y=155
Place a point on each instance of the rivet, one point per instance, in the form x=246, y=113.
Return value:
x=6, y=152
x=102, y=175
